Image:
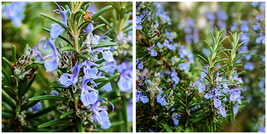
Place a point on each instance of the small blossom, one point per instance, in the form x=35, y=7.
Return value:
x=101, y=114
x=55, y=93
x=52, y=64
x=125, y=82
x=36, y=107
x=130, y=110
x=222, y=111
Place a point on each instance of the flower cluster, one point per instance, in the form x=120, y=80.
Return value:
x=14, y=11
x=86, y=69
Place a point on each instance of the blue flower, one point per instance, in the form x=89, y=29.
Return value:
x=233, y=27
x=174, y=76
x=36, y=52
x=190, y=22
x=222, y=111
x=235, y=109
x=206, y=51
x=14, y=11
x=217, y=102
x=57, y=29
x=69, y=79
x=161, y=100
x=182, y=52
x=235, y=95
x=130, y=110
x=262, y=129
x=140, y=65
x=36, y=107
x=262, y=5
x=153, y=52
x=107, y=55
x=203, y=75
x=210, y=16
x=221, y=24
x=248, y=66
x=175, y=121
x=55, y=93
x=244, y=27
x=125, y=82
x=255, y=3
x=195, y=35
x=141, y=97
x=208, y=96
x=88, y=94
x=245, y=37
x=89, y=28
x=260, y=39
x=101, y=114
x=221, y=15
x=199, y=85
x=138, y=22
x=107, y=87
x=257, y=26
x=52, y=64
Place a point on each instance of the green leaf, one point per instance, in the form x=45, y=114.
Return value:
x=202, y=58
x=57, y=21
x=98, y=26
x=4, y=72
x=13, y=58
x=17, y=109
x=110, y=79
x=7, y=99
x=56, y=85
x=101, y=70
x=25, y=87
x=100, y=12
x=85, y=56
x=167, y=127
x=93, y=124
x=100, y=80
x=115, y=6
x=105, y=44
x=198, y=119
x=117, y=123
x=115, y=100
x=60, y=36
x=7, y=115
x=80, y=125
x=54, y=122
x=66, y=114
x=10, y=91
x=43, y=111
x=67, y=48
x=80, y=12
x=105, y=21
x=47, y=97
x=39, y=62
x=30, y=67
x=84, y=3
x=6, y=61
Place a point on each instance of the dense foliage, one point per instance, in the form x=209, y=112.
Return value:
x=190, y=80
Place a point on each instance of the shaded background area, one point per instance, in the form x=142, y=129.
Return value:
x=23, y=25
x=192, y=22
